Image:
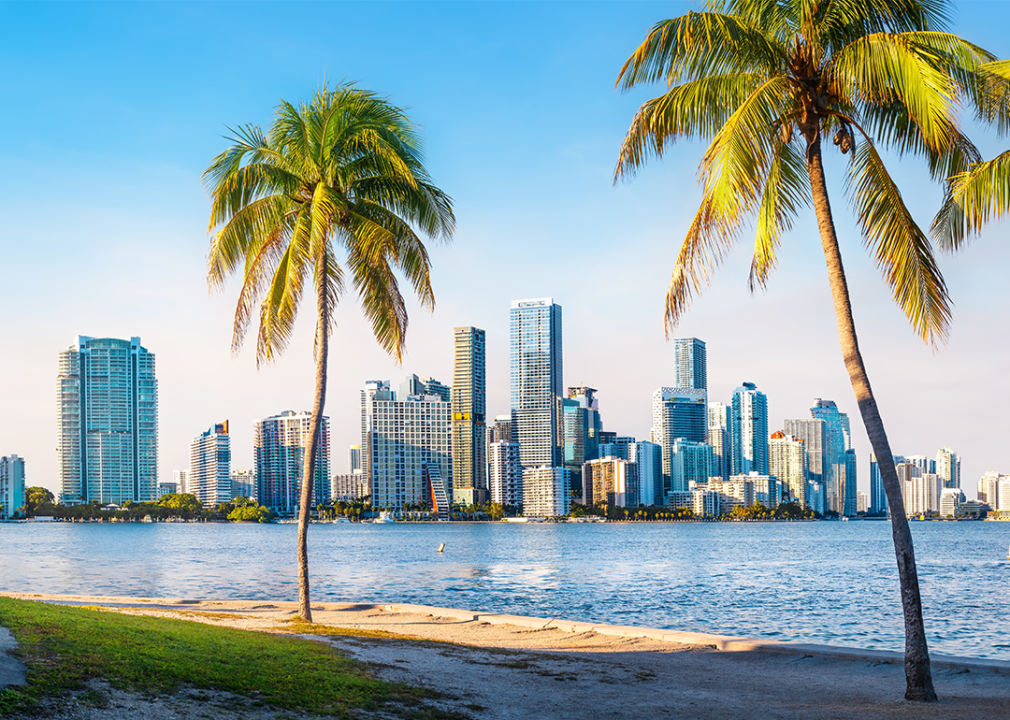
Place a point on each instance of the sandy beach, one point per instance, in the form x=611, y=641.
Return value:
x=502, y=667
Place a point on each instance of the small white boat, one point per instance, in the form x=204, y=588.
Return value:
x=385, y=518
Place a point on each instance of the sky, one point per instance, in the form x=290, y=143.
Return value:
x=110, y=113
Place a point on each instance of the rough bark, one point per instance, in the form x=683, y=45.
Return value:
x=312, y=452
x=918, y=679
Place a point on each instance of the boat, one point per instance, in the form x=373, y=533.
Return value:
x=385, y=518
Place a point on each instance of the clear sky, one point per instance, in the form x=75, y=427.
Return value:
x=109, y=113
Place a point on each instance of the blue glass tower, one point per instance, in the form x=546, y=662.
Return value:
x=750, y=430
x=536, y=387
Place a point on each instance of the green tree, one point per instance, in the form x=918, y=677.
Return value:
x=335, y=194
x=764, y=82
x=36, y=497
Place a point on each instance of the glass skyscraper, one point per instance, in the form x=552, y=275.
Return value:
x=536, y=386
x=469, y=390
x=691, y=363
x=279, y=445
x=840, y=488
x=107, y=436
x=750, y=430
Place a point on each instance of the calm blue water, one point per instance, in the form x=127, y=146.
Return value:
x=823, y=582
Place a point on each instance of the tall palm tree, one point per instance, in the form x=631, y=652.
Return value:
x=335, y=193
x=764, y=81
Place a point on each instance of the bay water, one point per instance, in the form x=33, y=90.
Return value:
x=823, y=582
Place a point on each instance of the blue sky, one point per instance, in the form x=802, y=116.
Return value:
x=111, y=112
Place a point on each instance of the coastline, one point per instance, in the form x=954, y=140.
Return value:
x=512, y=666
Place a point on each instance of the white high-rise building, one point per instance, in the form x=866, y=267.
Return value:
x=814, y=434
x=107, y=434
x=951, y=499
x=721, y=439
x=988, y=489
x=505, y=473
x=12, y=486
x=400, y=437
x=787, y=461
x=648, y=460
x=210, y=466
x=1004, y=494
x=279, y=446
x=179, y=477
x=547, y=491
x=610, y=480
x=536, y=380
x=691, y=363
x=920, y=491
x=948, y=467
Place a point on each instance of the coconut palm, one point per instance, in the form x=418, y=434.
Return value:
x=335, y=193
x=764, y=81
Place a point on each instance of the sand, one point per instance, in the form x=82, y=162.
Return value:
x=502, y=667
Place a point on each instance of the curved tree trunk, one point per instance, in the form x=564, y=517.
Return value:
x=919, y=682
x=315, y=433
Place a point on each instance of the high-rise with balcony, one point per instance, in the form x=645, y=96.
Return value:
x=469, y=435
x=12, y=486
x=750, y=430
x=787, y=461
x=210, y=466
x=814, y=434
x=536, y=381
x=581, y=428
x=279, y=445
x=107, y=433
x=948, y=467
x=677, y=414
x=720, y=438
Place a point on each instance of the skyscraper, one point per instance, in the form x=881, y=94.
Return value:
x=546, y=491
x=580, y=429
x=814, y=434
x=690, y=462
x=750, y=430
x=279, y=445
x=787, y=461
x=721, y=439
x=469, y=389
x=948, y=467
x=677, y=413
x=691, y=363
x=840, y=489
x=210, y=466
x=107, y=436
x=403, y=439
x=505, y=473
x=12, y=486
x=536, y=380
x=878, y=497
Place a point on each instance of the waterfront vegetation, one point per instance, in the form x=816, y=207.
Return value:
x=66, y=648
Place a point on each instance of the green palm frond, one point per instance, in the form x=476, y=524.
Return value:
x=976, y=197
x=700, y=45
x=696, y=109
x=901, y=250
x=785, y=192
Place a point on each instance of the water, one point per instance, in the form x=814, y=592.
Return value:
x=826, y=582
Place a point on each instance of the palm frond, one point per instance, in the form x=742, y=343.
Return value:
x=786, y=191
x=900, y=249
x=975, y=197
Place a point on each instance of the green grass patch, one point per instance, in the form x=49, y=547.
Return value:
x=64, y=647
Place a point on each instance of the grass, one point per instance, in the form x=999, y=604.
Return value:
x=65, y=647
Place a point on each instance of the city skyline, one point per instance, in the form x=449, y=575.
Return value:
x=140, y=205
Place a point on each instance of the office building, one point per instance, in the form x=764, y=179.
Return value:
x=210, y=466
x=951, y=499
x=107, y=434
x=179, y=478
x=749, y=430
x=501, y=430
x=925, y=464
x=505, y=474
x=721, y=439
x=814, y=434
x=12, y=486
x=536, y=380
x=349, y=487
x=878, y=498
x=840, y=488
x=648, y=460
x=948, y=467
x=690, y=363
x=243, y=484
x=354, y=459
x=581, y=428
x=617, y=446
x=546, y=491
x=167, y=488
x=677, y=413
x=689, y=462
x=279, y=446
x=988, y=489
x=413, y=385
x=401, y=436
x=610, y=481
x=787, y=461
x=469, y=435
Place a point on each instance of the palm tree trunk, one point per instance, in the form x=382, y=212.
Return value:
x=919, y=682
x=315, y=433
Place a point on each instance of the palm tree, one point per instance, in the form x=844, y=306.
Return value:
x=764, y=81
x=334, y=193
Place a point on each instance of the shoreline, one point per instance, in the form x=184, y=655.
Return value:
x=721, y=643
